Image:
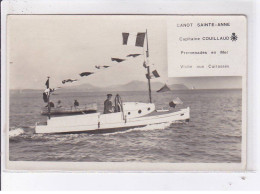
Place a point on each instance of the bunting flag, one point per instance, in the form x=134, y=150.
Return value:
x=45, y=97
x=47, y=83
x=117, y=60
x=69, y=80
x=101, y=67
x=133, y=39
x=46, y=92
x=177, y=100
x=85, y=74
x=54, y=89
x=154, y=74
x=174, y=102
x=133, y=55
x=144, y=64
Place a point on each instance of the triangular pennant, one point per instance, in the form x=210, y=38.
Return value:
x=133, y=55
x=117, y=60
x=85, y=74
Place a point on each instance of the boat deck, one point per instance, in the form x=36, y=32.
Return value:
x=61, y=111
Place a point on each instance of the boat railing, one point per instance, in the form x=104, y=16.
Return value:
x=72, y=108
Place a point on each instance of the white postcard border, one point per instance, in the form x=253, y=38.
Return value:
x=13, y=7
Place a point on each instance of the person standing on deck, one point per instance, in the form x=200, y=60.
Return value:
x=108, y=106
x=76, y=104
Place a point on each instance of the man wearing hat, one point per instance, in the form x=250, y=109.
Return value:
x=76, y=104
x=108, y=106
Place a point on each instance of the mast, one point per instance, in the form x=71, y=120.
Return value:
x=49, y=107
x=148, y=69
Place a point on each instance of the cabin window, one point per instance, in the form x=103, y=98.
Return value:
x=148, y=108
x=129, y=113
x=139, y=111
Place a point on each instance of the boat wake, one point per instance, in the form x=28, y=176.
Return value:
x=160, y=126
x=16, y=132
x=20, y=131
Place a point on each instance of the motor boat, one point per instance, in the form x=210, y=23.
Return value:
x=133, y=115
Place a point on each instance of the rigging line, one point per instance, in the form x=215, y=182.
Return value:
x=60, y=86
x=81, y=78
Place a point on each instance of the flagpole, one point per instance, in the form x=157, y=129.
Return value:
x=148, y=69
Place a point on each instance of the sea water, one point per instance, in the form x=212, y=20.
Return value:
x=213, y=134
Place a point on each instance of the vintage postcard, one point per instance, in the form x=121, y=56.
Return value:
x=126, y=92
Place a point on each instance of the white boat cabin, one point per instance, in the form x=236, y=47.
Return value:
x=137, y=109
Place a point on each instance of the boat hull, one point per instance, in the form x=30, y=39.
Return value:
x=101, y=131
x=105, y=123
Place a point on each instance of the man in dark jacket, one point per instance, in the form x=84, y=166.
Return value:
x=108, y=106
x=76, y=103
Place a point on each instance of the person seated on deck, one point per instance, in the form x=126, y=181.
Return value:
x=59, y=104
x=76, y=104
x=108, y=106
x=51, y=105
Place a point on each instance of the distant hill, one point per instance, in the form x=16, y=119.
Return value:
x=178, y=87
x=135, y=86
x=131, y=86
x=14, y=91
x=173, y=87
x=84, y=87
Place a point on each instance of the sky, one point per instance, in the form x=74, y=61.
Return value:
x=62, y=46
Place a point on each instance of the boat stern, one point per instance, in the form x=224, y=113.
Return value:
x=187, y=114
x=183, y=115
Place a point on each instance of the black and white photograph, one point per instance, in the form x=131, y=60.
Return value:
x=96, y=89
